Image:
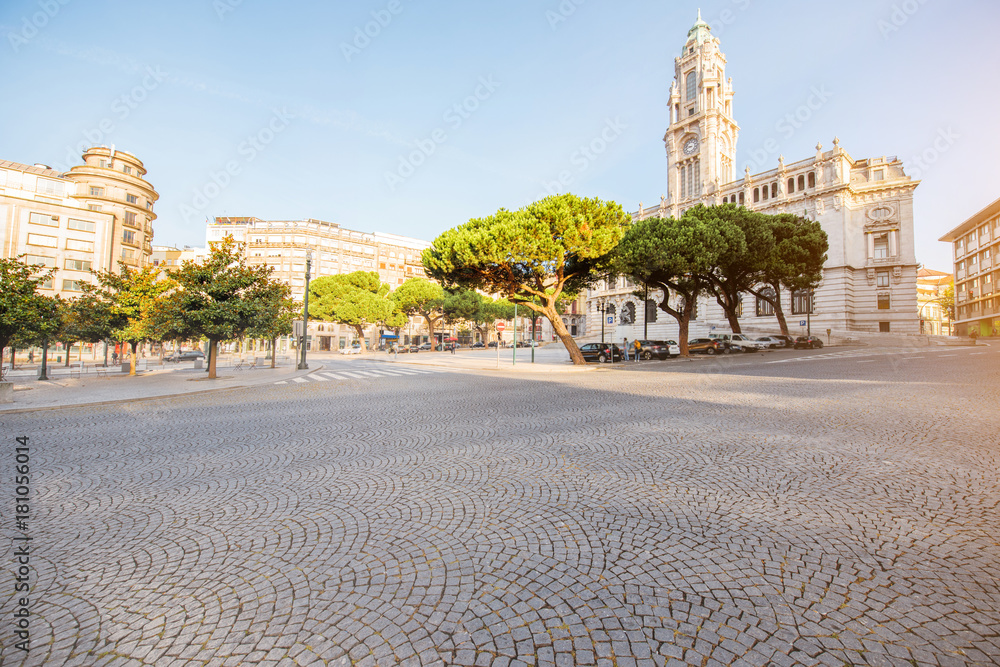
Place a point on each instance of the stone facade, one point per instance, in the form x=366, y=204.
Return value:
x=864, y=205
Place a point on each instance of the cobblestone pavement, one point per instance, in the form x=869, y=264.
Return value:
x=718, y=512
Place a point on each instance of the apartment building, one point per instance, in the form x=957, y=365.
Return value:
x=976, y=247
x=86, y=219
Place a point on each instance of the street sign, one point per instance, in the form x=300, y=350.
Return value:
x=802, y=323
x=611, y=319
x=501, y=326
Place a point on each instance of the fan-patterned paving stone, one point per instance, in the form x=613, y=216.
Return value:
x=752, y=514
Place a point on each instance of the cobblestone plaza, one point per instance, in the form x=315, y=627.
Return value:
x=764, y=510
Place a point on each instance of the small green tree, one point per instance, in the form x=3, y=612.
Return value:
x=220, y=299
x=531, y=256
x=131, y=296
x=276, y=312
x=358, y=300
x=22, y=309
x=51, y=314
x=419, y=296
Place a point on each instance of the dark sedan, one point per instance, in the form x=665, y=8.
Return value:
x=809, y=342
x=601, y=352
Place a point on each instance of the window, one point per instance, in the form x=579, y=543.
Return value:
x=130, y=218
x=72, y=286
x=741, y=199
x=802, y=182
x=132, y=199
x=93, y=207
x=128, y=254
x=40, y=260
x=756, y=195
x=791, y=185
x=42, y=240
x=96, y=191
x=812, y=179
x=46, y=284
x=878, y=175
x=126, y=170
x=883, y=302
x=81, y=225
x=882, y=279
x=104, y=164
x=774, y=190
x=881, y=246
x=82, y=246
x=45, y=186
x=765, y=189
x=883, y=327
x=43, y=219
x=77, y=265
x=128, y=236
x=765, y=307
x=149, y=205
x=691, y=83
x=651, y=309
x=802, y=302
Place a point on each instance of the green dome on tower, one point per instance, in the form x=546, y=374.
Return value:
x=700, y=32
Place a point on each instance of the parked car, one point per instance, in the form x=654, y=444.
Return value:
x=426, y=347
x=650, y=349
x=708, y=346
x=786, y=341
x=188, y=355
x=447, y=347
x=739, y=342
x=478, y=346
x=772, y=342
x=602, y=352
x=808, y=342
x=353, y=349
x=673, y=349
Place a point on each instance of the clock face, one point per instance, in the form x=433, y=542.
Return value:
x=691, y=146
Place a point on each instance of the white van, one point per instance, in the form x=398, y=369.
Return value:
x=739, y=342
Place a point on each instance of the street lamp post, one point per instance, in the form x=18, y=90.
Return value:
x=601, y=308
x=305, y=317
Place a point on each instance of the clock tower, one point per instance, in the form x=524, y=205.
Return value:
x=701, y=137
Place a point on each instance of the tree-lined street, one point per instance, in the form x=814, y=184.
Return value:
x=794, y=508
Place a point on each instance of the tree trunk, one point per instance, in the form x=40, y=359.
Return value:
x=780, y=315
x=213, y=355
x=683, y=324
x=550, y=312
x=358, y=329
x=274, y=347
x=134, y=347
x=69, y=348
x=3, y=348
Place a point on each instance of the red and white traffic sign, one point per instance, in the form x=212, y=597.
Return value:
x=501, y=326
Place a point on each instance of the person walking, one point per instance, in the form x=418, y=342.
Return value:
x=625, y=349
x=638, y=350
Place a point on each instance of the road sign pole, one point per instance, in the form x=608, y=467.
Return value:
x=515, y=335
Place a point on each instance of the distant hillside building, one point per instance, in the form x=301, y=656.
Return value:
x=935, y=318
x=865, y=206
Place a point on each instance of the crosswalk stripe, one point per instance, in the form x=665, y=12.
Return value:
x=318, y=378
x=299, y=380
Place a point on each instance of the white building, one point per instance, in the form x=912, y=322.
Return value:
x=89, y=218
x=864, y=205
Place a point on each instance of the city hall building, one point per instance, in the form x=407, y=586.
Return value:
x=864, y=205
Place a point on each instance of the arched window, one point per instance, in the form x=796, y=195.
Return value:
x=765, y=192
x=774, y=190
x=741, y=199
x=812, y=179
x=725, y=200
x=756, y=195
x=802, y=183
x=691, y=83
x=765, y=307
x=651, y=310
x=610, y=309
x=791, y=185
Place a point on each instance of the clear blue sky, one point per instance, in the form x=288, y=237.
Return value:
x=185, y=85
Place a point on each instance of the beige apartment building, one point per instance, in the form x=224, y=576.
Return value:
x=976, y=244
x=284, y=245
x=864, y=205
x=935, y=318
x=85, y=219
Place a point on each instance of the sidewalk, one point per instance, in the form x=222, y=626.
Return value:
x=63, y=390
